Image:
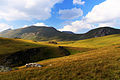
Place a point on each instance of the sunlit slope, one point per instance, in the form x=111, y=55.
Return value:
x=100, y=64
x=12, y=45
x=94, y=42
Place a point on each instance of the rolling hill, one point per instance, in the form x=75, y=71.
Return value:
x=102, y=63
x=16, y=52
x=43, y=33
x=97, y=42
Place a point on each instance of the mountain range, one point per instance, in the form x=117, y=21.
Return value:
x=43, y=33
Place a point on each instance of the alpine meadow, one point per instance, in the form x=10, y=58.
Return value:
x=59, y=40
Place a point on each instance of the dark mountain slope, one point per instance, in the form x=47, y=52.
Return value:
x=99, y=32
x=69, y=32
x=43, y=33
x=38, y=34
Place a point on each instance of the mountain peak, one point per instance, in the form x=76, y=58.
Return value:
x=102, y=31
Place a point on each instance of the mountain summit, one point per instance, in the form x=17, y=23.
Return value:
x=102, y=31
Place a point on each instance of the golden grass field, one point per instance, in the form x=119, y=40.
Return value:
x=99, y=60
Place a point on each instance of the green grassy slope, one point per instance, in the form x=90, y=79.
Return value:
x=94, y=42
x=16, y=52
x=12, y=45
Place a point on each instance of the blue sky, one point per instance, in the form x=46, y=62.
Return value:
x=66, y=15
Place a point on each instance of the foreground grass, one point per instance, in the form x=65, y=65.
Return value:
x=100, y=64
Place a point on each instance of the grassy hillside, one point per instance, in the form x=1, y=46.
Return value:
x=16, y=52
x=94, y=42
x=12, y=45
x=100, y=64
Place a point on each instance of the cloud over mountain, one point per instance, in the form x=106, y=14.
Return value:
x=36, y=24
x=77, y=26
x=4, y=26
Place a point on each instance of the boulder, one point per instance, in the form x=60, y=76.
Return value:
x=33, y=65
x=4, y=69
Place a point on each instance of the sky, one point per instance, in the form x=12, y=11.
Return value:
x=78, y=16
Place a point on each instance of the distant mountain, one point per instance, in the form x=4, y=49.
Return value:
x=69, y=32
x=5, y=31
x=102, y=31
x=40, y=33
x=43, y=33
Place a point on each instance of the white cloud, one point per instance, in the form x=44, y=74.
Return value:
x=78, y=27
x=39, y=24
x=26, y=9
x=70, y=13
x=36, y=24
x=4, y=26
x=114, y=23
x=78, y=2
x=25, y=26
x=104, y=12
